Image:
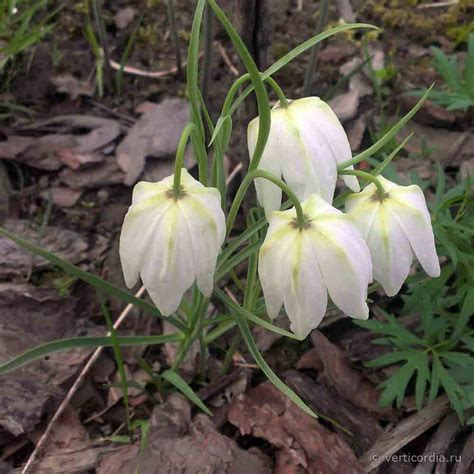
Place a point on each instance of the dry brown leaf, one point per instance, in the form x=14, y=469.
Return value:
x=31, y=316
x=178, y=445
x=155, y=134
x=264, y=412
x=16, y=261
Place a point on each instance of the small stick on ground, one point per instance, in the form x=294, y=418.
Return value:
x=226, y=59
x=80, y=379
x=406, y=431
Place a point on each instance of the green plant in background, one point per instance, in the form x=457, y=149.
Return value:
x=21, y=26
x=439, y=351
x=458, y=91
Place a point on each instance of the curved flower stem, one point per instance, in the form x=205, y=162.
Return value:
x=278, y=90
x=257, y=81
x=239, y=196
x=366, y=176
x=234, y=88
x=178, y=164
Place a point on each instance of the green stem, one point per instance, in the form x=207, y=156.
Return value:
x=278, y=90
x=313, y=60
x=257, y=81
x=195, y=329
x=239, y=196
x=366, y=176
x=174, y=34
x=118, y=360
x=234, y=88
x=234, y=345
x=178, y=164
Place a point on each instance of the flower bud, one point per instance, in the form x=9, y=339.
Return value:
x=170, y=241
x=300, y=265
x=395, y=226
x=305, y=145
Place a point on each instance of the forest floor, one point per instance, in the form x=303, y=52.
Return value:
x=68, y=161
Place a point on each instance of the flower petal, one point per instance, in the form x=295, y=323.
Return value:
x=391, y=252
x=138, y=231
x=168, y=269
x=345, y=263
x=408, y=207
x=321, y=120
x=305, y=295
x=268, y=194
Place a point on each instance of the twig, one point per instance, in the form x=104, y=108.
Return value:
x=406, y=431
x=448, y=3
x=226, y=59
x=140, y=72
x=73, y=390
x=233, y=174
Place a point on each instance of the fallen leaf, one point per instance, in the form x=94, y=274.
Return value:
x=348, y=382
x=77, y=161
x=176, y=444
x=62, y=196
x=437, y=144
x=72, y=86
x=124, y=17
x=155, y=134
x=31, y=316
x=264, y=412
x=96, y=176
x=16, y=261
x=69, y=448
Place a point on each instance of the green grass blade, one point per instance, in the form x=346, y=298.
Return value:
x=388, y=136
x=257, y=356
x=284, y=60
x=469, y=68
x=235, y=308
x=87, y=341
x=177, y=381
x=93, y=280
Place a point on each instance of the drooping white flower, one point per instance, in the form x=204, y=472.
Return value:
x=394, y=226
x=298, y=267
x=170, y=242
x=305, y=145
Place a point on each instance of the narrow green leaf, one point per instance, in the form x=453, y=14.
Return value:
x=235, y=308
x=388, y=136
x=435, y=378
x=467, y=311
x=93, y=280
x=448, y=68
x=389, y=359
x=220, y=123
x=253, y=349
x=469, y=67
x=175, y=379
x=43, y=350
x=294, y=53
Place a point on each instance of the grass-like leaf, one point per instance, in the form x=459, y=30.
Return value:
x=93, y=280
x=43, y=350
x=177, y=381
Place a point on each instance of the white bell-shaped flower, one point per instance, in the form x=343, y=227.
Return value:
x=395, y=226
x=305, y=145
x=300, y=266
x=172, y=241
